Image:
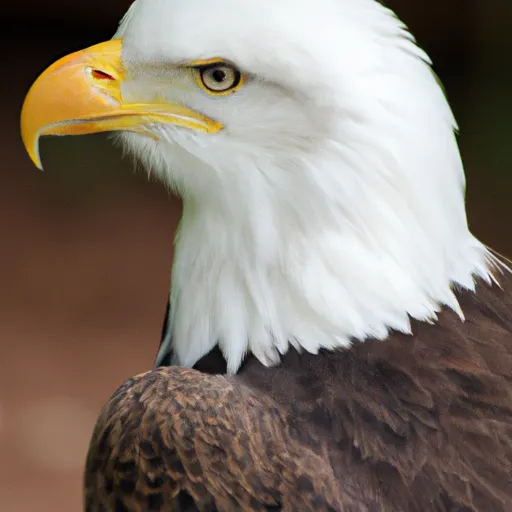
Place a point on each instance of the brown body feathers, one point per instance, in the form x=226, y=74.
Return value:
x=412, y=424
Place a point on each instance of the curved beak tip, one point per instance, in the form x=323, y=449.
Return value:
x=36, y=160
x=31, y=144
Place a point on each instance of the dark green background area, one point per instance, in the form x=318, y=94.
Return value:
x=86, y=246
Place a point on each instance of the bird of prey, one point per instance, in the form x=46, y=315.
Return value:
x=336, y=339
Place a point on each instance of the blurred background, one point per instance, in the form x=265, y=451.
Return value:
x=86, y=246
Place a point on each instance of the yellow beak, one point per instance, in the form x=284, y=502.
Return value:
x=81, y=93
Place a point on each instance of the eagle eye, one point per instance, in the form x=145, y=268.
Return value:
x=219, y=78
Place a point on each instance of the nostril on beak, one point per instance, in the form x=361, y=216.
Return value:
x=97, y=74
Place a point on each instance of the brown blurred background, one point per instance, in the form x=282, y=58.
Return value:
x=86, y=246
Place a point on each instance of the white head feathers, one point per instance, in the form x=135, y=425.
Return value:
x=331, y=206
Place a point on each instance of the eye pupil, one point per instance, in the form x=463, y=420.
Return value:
x=219, y=75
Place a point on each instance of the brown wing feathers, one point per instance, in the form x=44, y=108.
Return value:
x=175, y=429
x=421, y=423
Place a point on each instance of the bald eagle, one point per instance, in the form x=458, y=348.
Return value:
x=336, y=338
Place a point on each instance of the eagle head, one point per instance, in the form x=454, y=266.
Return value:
x=315, y=153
